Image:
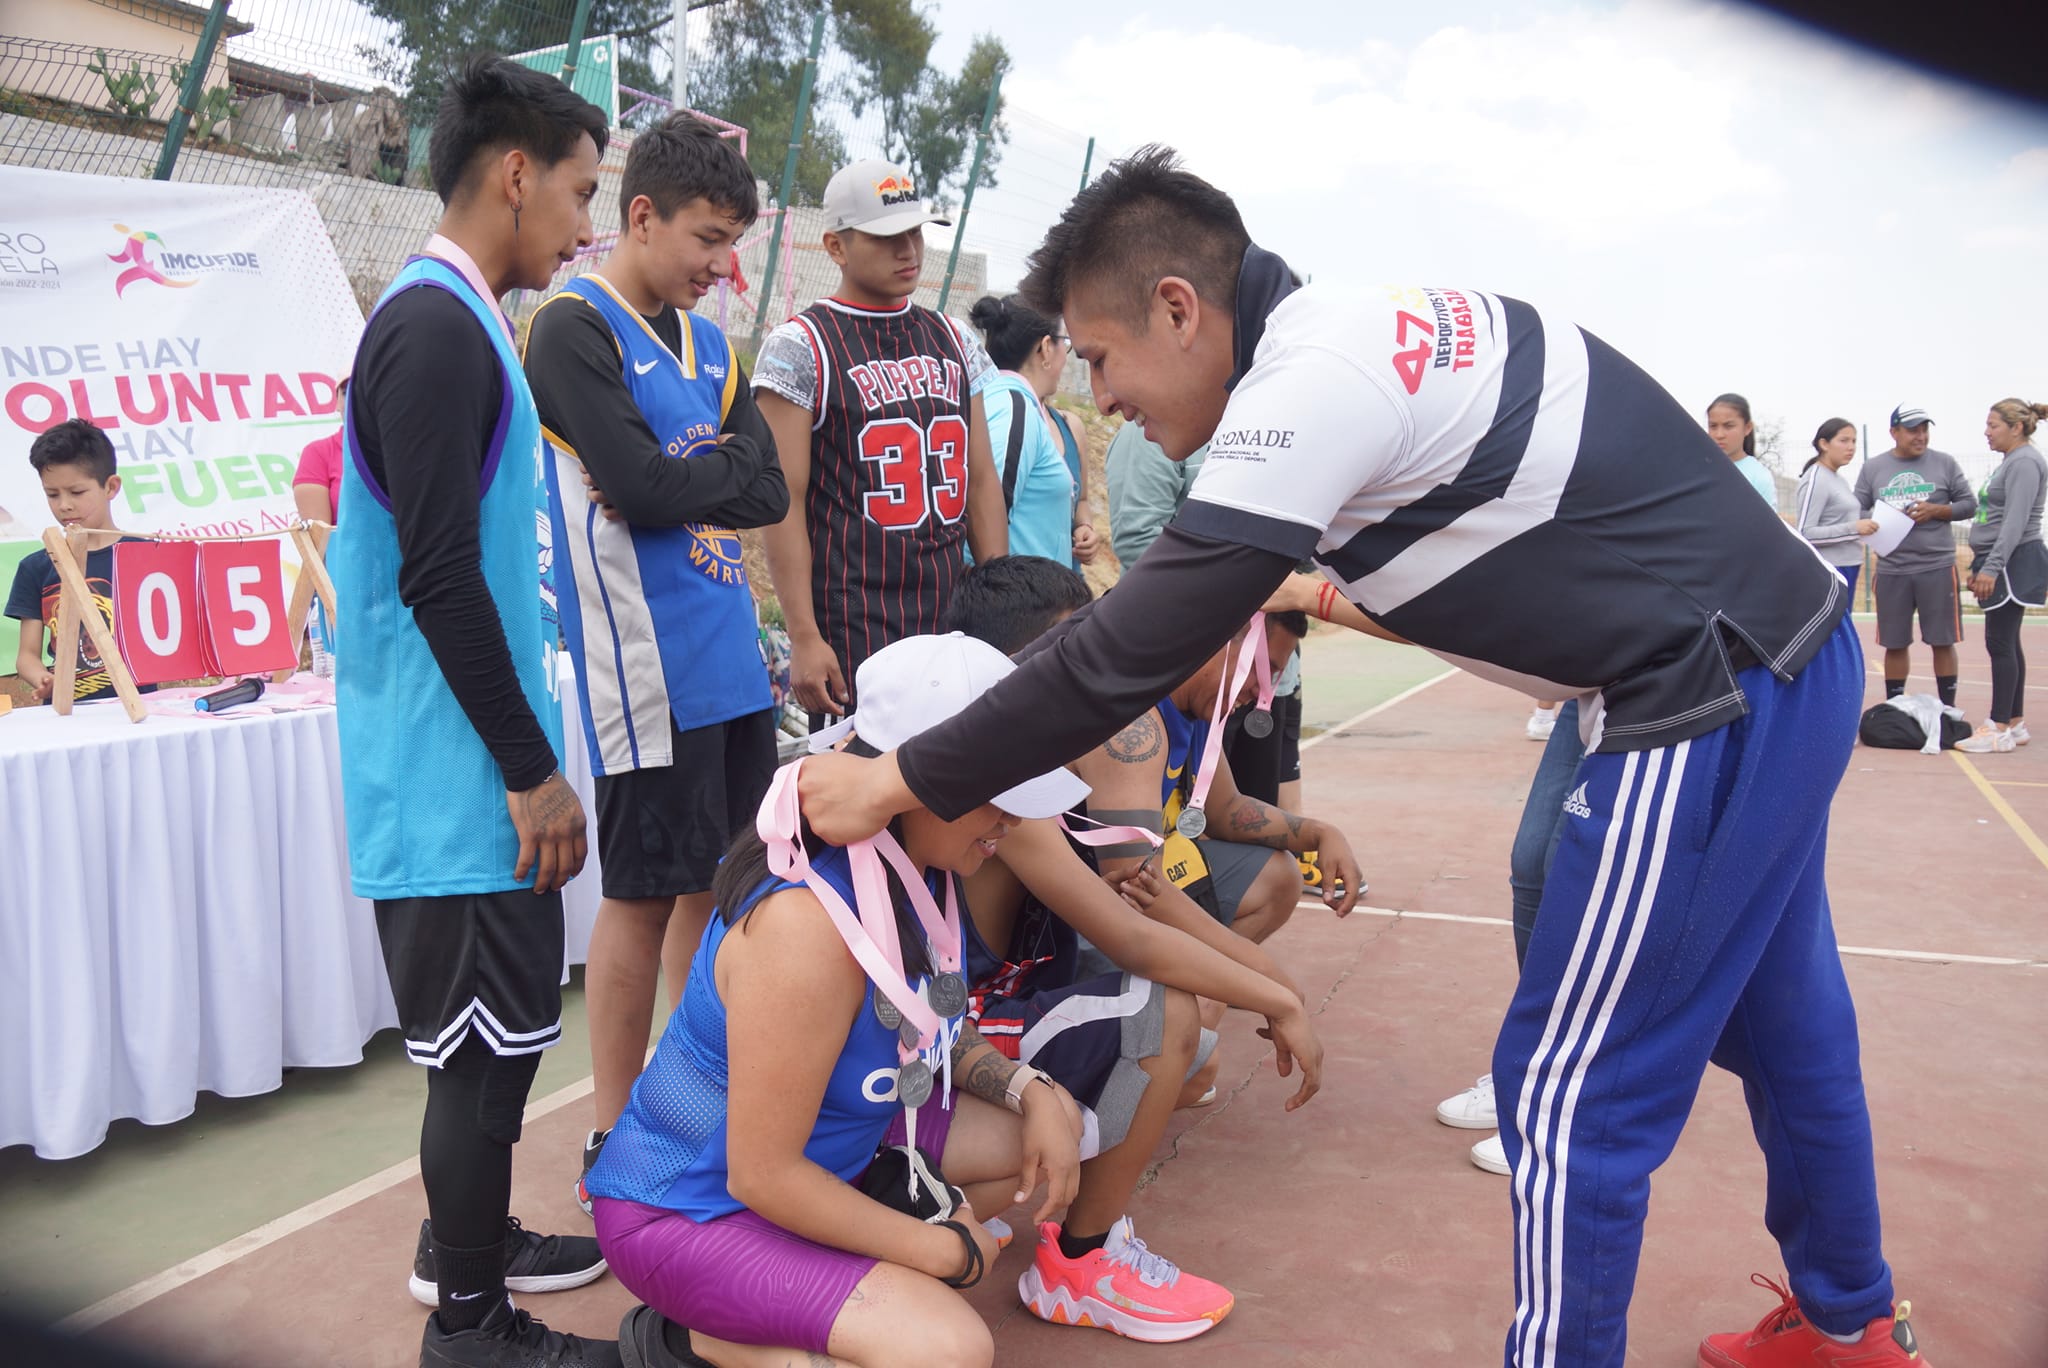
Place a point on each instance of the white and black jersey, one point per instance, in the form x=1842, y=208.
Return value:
x=1495, y=484
x=1501, y=486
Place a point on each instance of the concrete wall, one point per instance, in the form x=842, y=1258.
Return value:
x=124, y=30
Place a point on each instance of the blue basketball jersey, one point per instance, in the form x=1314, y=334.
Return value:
x=424, y=800
x=669, y=1147
x=659, y=620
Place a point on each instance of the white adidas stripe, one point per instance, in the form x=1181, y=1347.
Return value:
x=1541, y=1221
x=1532, y=1167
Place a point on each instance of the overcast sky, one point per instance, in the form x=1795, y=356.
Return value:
x=1732, y=201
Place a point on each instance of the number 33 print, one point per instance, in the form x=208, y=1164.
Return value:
x=908, y=491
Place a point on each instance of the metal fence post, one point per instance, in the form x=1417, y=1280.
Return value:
x=679, y=58
x=577, y=24
x=796, y=142
x=988, y=119
x=188, y=94
x=1087, y=162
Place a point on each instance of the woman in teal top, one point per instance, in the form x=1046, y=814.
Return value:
x=1040, y=488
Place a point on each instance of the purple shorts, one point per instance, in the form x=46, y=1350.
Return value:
x=742, y=1278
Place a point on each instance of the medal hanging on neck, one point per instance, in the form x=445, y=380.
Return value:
x=871, y=935
x=1193, y=821
x=1258, y=723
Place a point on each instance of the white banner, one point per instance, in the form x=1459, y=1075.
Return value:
x=203, y=326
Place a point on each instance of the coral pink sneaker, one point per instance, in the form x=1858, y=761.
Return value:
x=1122, y=1287
x=1786, y=1339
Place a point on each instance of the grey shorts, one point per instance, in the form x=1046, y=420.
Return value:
x=1936, y=595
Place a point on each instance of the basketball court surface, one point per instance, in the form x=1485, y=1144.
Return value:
x=279, y=1230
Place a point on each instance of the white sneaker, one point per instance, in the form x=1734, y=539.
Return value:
x=1542, y=722
x=2018, y=732
x=1471, y=1109
x=1491, y=1155
x=1989, y=739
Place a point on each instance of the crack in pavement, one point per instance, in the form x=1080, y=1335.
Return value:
x=1222, y=1104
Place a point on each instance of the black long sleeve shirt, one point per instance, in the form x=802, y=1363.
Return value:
x=426, y=397
x=574, y=369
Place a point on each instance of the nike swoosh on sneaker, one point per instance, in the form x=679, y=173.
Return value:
x=642, y=367
x=1105, y=1287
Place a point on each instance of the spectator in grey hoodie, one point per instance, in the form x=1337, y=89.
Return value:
x=2009, y=572
x=1919, y=576
x=1827, y=508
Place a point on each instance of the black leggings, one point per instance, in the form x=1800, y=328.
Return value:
x=2008, y=662
x=474, y=1104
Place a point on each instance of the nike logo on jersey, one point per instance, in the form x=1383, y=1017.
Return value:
x=1576, y=804
x=642, y=367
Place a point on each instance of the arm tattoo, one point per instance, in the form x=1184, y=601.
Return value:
x=989, y=1079
x=1139, y=742
x=989, y=1076
x=1257, y=823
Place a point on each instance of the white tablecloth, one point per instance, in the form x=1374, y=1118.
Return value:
x=175, y=915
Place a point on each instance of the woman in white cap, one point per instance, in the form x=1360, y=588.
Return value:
x=734, y=1195
x=2009, y=566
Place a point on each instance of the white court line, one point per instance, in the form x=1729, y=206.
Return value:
x=1866, y=951
x=270, y=1232
x=1378, y=708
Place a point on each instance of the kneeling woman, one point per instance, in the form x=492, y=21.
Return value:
x=729, y=1198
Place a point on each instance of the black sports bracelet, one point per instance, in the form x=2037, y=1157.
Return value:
x=970, y=1275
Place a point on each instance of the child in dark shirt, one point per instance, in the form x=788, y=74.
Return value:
x=76, y=463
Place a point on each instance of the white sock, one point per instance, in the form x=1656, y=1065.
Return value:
x=1842, y=1339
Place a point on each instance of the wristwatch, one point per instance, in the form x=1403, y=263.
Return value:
x=1024, y=1077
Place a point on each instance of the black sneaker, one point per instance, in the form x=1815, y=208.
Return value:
x=643, y=1342
x=533, y=1263
x=510, y=1338
x=593, y=1145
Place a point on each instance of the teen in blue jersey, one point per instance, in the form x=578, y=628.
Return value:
x=461, y=829
x=656, y=455
x=728, y=1196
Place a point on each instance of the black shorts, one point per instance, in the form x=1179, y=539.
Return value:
x=484, y=962
x=662, y=831
x=1287, y=712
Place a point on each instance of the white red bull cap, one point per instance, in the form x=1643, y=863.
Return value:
x=875, y=197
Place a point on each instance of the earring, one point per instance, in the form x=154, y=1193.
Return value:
x=515, y=219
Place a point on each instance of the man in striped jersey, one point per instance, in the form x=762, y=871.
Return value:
x=876, y=409
x=644, y=402
x=1505, y=489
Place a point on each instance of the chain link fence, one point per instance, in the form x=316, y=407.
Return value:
x=335, y=97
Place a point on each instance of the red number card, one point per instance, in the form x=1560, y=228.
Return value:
x=156, y=610
x=242, y=598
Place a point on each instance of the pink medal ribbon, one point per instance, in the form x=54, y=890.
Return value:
x=1193, y=821
x=870, y=935
x=1104, y=834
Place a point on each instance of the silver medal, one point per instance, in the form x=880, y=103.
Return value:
x=1191, y=823
x=949, y=995
x=1258, y=724
x=907, y=1033
x=887, y=1012
x=914, y=1083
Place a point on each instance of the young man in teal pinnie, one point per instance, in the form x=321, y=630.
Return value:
x=656, y=455
x=461, y=827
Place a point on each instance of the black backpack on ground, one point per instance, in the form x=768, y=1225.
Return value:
x=1890, y=728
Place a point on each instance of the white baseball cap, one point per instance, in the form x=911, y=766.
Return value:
x=875, y=197
x=919, y=682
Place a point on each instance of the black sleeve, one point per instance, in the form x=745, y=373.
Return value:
x=765, y=501
x=426, y=401
x=573, y=368
x=1180, y=603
